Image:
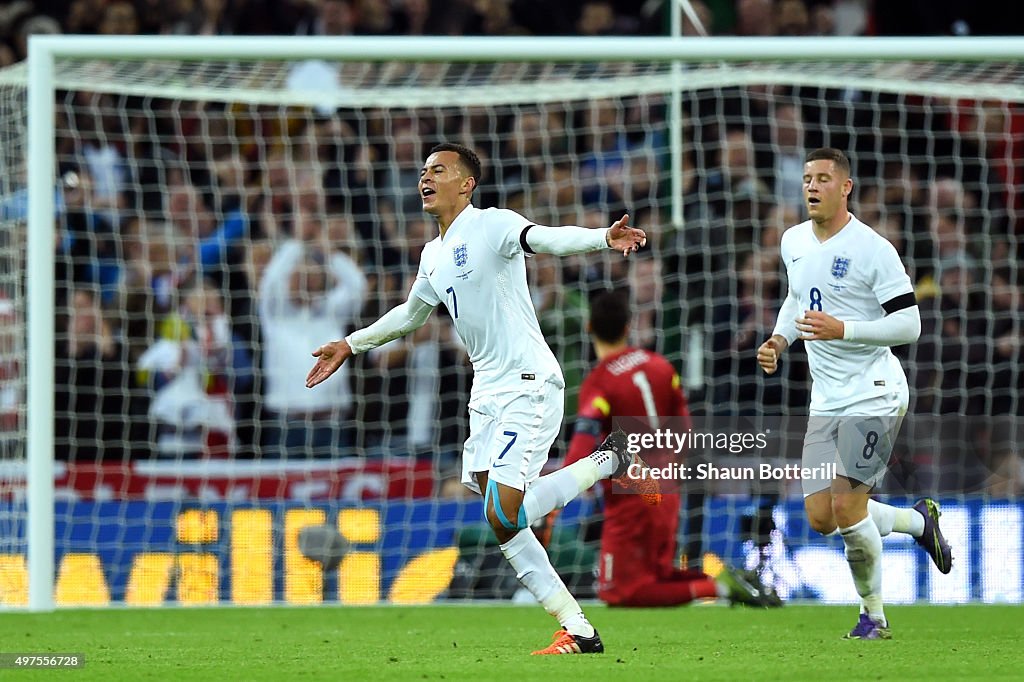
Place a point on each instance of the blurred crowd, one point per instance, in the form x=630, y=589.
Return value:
x=205, y=249
x=21, y=18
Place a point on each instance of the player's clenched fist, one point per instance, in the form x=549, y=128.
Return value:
x=769, y=351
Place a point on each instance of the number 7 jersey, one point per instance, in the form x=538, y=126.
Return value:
x=479, y=272
x=849, y=276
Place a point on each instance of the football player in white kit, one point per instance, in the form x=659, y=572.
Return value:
x=476, y=267
x=856, y=301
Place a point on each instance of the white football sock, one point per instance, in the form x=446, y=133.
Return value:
x=558, y=488
x=901, y=520
x=864, y=555
x=534, y=570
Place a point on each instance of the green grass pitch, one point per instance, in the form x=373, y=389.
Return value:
x=482, y=643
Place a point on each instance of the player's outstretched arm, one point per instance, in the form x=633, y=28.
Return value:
x=329, y=358
x=622, y=237
x=570, y=239
x=399, y=321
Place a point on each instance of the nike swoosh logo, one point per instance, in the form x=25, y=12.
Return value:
x=498, y=466
x=796, y=259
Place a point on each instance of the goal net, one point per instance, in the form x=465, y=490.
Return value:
x=217, y=220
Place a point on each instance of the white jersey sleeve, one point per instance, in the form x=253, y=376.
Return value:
x=785, y=324
x=890, y=276
x=421, y=287
x=566, y=240
x=504, y=231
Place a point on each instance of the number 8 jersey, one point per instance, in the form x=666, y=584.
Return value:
x=851, y=276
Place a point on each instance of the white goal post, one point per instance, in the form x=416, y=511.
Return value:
x=882, y=64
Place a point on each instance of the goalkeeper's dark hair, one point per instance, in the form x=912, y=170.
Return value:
x=830, y=154
x=609, y=315
x=467, y=157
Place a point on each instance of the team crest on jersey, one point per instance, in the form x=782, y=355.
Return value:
x=840, y=266
x=461, y=255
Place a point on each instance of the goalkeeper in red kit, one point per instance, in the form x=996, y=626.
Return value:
x=638, y=565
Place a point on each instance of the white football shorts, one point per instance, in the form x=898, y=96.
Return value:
x=858, y=438
x=511, y=434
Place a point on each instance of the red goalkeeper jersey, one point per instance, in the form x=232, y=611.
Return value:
x=638, y=542
x=631, y=383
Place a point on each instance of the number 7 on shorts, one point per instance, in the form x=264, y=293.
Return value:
x=510, y=443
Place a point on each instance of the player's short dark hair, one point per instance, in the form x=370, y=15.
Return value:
x=609, y=315
x=830, y=154
x=467, y=157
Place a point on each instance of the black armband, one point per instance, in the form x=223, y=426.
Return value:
x=901, y=302
x=522, y=240
x=591, y=427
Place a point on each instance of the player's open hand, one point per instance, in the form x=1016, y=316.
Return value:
x=816, y=325
x=769, y=351
x=329, y=357
x=622, y=237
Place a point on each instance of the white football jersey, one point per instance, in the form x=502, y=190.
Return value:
x=848, y=276
x=478, y=270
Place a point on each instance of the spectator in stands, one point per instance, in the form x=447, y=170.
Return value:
x=333, y=18
x=755, y=18
x=151, y=276
x=645, y=289
x=777, y=220
x=12, y=396
x=7, y=54
x=196, y=370
x=84, y=16
x=306, y=293
x=214, y=238
x=725, y=221
x=490, y=18
x=786, y=128
x=644, y=143
x=198, y=17
x=597, y=18
x=739, y=321
x=602, y=158
x=29, y=26
x=429, y=381
x=561, y=312
x=951, y=373
x=792, y=18
x=823, y=19
x=119, y=19
x=537, y=137
x=404, y=137
x=1007, y=384
x=379, y=18
x=416, y=17
x=706, y=17
x=87, y=250
x=963, y=313
x=97, y=147
x=94, y=408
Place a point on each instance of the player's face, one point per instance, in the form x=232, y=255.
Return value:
x=441, y=182
x=825, y=189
